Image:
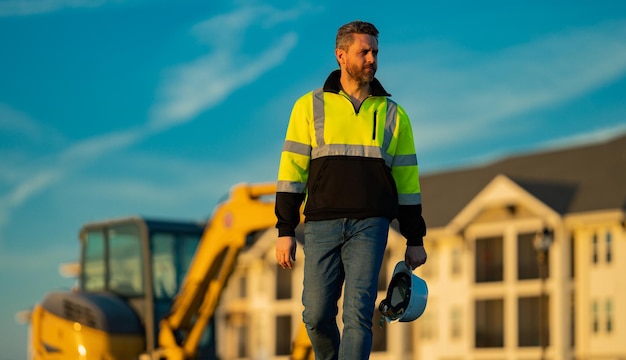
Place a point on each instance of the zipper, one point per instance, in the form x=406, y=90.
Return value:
x=356, y=108
x=374, y=128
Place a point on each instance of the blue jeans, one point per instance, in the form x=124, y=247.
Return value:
x=334, y=251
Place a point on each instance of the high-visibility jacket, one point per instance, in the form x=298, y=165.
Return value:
x=349, y=162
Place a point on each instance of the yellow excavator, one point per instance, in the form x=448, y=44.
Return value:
x=148, y=289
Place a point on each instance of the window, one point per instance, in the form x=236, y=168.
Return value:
x=456, y=322
x=242, y=287
x=527, y=264
x=532, y=321
x=594, y=315
x=572, y=257
x=609, y=255
x=456, y=261
x=94, y=269
x=172, y=254
x=242, y=341
x=163, y=267
x=572, y=319
x=609, y=316
x=187, y=245
x=112, y=261
x=489, y=323
x=595, y=248
x=283, y=334
x=283, y=283
x=125, y=261
x=489, y=259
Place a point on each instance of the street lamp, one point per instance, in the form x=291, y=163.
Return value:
x=542, y=242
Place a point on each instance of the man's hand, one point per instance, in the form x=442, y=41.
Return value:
x=415, y=256
x=286, y=251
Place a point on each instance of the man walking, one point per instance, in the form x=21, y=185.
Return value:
x=349, y=150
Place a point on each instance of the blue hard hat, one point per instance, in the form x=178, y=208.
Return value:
x=406, y=296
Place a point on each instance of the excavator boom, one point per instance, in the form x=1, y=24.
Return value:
x=243, y=213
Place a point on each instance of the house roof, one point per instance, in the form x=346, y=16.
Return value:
x=572, y=180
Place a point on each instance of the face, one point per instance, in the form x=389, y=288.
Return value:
x=360, y=61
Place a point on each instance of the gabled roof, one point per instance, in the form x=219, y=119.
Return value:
x=501, y=194
x=572, y=180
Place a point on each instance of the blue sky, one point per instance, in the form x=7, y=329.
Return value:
x=111, y=108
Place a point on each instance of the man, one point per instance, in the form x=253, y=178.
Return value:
x=349, y=150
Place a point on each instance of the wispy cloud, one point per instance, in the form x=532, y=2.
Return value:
x=186, y=91
x=31, y=177
x=19, y=127
x=18, y=123
x=192, y=88
x=462, y=96
x=32, y=7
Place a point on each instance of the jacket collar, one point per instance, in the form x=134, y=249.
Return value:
x=333, y=85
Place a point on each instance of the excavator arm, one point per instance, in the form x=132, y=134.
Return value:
x=241, y=214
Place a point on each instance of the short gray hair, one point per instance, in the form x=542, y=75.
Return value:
x=344, y=35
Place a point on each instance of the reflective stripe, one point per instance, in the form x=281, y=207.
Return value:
x=409, y=199
x=290, y=187
x=390, y=123
x=405, y=160
x=346, y=150
x=318, y=116
x=297, y=148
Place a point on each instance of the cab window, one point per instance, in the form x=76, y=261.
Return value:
x=112, y=261
x=172, y=254
x=125, y=261
x=94, y=266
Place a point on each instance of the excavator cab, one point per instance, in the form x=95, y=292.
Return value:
x=131, y=270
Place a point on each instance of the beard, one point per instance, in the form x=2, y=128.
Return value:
x=361, y=74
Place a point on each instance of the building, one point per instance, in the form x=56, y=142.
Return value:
x=527, y=260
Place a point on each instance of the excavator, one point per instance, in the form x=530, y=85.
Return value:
x=148, y=289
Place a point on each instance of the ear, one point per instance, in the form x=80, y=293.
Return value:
x=340, y=56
